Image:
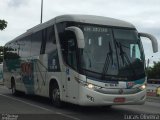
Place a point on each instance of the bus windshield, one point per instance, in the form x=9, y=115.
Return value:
x=112, y=53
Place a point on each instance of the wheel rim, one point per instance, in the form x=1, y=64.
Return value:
x=13, y=89
x=56, y=95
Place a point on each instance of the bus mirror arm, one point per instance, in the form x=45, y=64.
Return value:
x=79, y=35
x=153, y=40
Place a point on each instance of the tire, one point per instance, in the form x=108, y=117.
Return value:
x=13, y=87
x=55, y=96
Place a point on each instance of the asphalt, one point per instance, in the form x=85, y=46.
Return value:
x=28, y=107
x=153, y=99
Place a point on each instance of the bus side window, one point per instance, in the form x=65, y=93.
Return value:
x=50, y=40
x=36, y=43
x=51, y=50
x=71, y=48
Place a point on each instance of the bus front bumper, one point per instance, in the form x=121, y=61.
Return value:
x=89, y=97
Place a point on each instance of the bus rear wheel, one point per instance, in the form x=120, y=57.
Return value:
x=55, y=96
x=13, y=87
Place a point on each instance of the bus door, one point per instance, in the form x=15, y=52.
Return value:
x=71, y=60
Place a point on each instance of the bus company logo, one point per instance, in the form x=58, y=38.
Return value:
x=121, y=91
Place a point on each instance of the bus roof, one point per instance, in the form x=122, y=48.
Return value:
x=99, y=20
x=94, y=20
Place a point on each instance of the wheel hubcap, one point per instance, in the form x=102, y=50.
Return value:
x=56, y=95
x=13, y=89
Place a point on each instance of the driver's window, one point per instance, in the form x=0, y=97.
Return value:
x=71, y=48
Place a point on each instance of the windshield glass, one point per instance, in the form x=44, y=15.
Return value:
x=129, y=50
x=111, y=52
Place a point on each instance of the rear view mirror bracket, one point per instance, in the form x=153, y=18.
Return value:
x=79, y=35
x=153, y=40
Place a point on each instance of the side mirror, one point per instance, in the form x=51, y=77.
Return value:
x=79, y=35
x=153, y=40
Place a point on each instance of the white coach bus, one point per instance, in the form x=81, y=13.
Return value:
x=1, y=74
x=80, y=59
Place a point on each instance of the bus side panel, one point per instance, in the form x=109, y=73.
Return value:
x=7, y=79
x=40, y=75
x=6, y=75
x=1, y=74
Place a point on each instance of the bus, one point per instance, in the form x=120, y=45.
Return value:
x=1, y=74
x=81, y=59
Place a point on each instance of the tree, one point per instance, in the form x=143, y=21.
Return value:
x=154, y=72
x=3, y=24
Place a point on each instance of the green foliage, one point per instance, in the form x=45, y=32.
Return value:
x=3, y=24
x=154, y=72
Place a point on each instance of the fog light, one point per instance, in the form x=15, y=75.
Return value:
x=90, y=86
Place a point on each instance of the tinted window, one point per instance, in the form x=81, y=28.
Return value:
x=11, y=51
x=71, y=50
x=36, y=43
x=51, y=41
x=25, y=46
x=51, y=50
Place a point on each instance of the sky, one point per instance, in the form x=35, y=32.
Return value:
x=24, y=14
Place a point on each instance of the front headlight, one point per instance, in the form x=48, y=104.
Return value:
x=143, y=87
x=88, y=85
x=93, y=87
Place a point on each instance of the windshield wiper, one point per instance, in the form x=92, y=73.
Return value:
x=125, y=59
x=107, y=61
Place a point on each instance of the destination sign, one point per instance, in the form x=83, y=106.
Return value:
x=95, y=29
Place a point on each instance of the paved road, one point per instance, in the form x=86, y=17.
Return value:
x=34, y=107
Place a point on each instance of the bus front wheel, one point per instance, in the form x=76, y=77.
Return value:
x=55, y=96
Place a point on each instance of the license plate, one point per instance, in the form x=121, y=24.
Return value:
x=119, y=100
